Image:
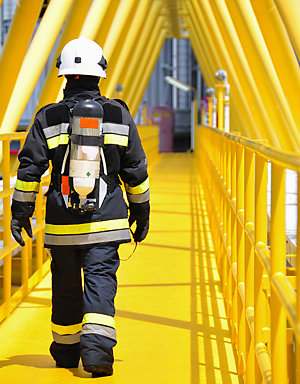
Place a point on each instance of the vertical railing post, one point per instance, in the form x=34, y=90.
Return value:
x=209, y=93
x=219, y=154
x=219, y=194
x=221, y=77
x=298, y=285
x=6, y=228
x=233, y=242
x=249, y=262
x=228, y=225
x=222, y=218
x=227, y=109
x=278, y=266
x=39, y=234
x=24, y=269
x=261, y=229
x=224, y=214
x=220, y=106
x=240, y=257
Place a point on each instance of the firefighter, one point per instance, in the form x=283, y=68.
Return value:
x=92, y=143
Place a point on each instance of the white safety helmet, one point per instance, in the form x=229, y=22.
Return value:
x=81, y=57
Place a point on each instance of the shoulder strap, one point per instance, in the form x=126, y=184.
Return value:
x=70, y=103
x=122, y=102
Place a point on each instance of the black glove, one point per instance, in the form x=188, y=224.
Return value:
x=140, y=214
x=142, y=228
x=16, y=226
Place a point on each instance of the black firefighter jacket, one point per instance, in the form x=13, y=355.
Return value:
x=48, y=140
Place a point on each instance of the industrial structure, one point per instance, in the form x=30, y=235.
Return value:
x=211, y=295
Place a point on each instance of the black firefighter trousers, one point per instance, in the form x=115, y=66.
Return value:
x=83, y=319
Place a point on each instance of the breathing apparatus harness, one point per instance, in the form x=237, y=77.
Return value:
x=83, y=178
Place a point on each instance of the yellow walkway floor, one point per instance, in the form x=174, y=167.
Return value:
x=170, y=321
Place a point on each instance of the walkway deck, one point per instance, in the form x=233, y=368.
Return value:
x=170, y=321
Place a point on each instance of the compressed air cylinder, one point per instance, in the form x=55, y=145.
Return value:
x=85, y=146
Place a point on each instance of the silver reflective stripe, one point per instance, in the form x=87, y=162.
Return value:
x=99, y=330
x=88, y=238
x=102, y=191
x=66, y=339
x=24, y=196
x=140, y=198
x=119, y=129
x=56, y=130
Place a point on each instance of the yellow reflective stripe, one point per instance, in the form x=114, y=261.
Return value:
x=98, y=226
x=139, y=188
x=57, y=140
x=66, y=329
x=97, y=318
x=28, y=186
x=110, y=138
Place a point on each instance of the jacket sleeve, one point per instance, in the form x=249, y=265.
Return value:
x=134, y=169
x=34, y=161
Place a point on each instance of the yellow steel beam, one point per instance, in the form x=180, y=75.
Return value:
x=197, y=44
x=286, y=64
x=202, y=61
x=207, y=66
x=144, y=63
x=98, y=21
x=93, y=22
x=264, y=73
x=212, y=39
x=204, y=52
x=204, y=33
x=94, y=18
x=290, y=13
x=136, y=58
x=242, y=70
x=71, y=31
x=216, y=38
x=148, y=70
x=106, y=22
x=117, y=33
x=126, y=51
x=15, y=46
x=35, y=60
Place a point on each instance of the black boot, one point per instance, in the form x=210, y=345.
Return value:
x=65, y=355
x=98, y=371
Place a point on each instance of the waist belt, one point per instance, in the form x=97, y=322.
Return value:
x=112, y=181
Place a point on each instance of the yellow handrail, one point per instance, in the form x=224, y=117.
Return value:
x=20, y=268
x=261, y=298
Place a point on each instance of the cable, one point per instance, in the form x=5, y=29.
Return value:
x=132, y=251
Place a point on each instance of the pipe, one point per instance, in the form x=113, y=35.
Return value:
x=35, y=61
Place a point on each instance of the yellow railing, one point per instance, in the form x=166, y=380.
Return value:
x=21, y=268
x=149, y=135
x=259, y=289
